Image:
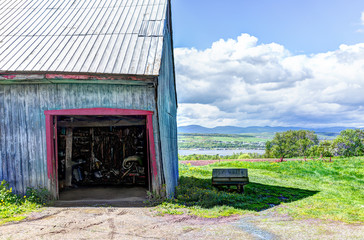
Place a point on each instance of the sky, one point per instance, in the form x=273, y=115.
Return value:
x=269, y=63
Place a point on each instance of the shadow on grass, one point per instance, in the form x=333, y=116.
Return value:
x=256, y=197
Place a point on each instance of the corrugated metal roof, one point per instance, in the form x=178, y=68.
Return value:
x=82, y=36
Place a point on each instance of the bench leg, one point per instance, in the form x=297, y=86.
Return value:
x=217, y=187
x=241, y=188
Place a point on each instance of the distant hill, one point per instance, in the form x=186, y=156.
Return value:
x=237, y=130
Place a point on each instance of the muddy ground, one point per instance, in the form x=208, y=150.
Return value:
x=143, y=223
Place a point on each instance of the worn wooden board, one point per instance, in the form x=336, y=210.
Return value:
x=69, y=138
x=229, y=173
x=167, y=107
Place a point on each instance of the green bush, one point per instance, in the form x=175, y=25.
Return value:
x=244, y=156
x=7, y=195
x=13, y=205
x=39, y=195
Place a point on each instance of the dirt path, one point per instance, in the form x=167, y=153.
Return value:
x=142, y=223
x=117, y=223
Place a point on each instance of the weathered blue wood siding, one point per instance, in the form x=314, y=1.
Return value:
x=22, y=123
x=167, y=114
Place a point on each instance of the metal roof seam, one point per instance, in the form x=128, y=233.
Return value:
x=10, y=21
x=19, y=51
x=83, y=41
x=38, y=63
x=112, y=47
x=42, y=42
x=67, y=43
x=99, y=51
x=120, y=49
x=10, y=44
x=136, y=61
x=88, y=42
x=9, y=13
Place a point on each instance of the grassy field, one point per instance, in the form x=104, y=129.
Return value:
x=312, y=189
x=232, y=141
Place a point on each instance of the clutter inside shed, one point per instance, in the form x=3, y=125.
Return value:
x=102, y=150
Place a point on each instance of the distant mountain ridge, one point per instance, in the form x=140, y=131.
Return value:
x=252, y=129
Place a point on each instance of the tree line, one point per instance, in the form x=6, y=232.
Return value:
x=304, y=143
x=239, y=155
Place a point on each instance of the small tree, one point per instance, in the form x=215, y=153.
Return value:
x=324, y=148
x=305, y=139
x=349, y=143
x=293, y=143
x=268, y=149
x=284, y=144
x=303, y=145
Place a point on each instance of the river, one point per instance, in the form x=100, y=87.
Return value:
x=221, y=152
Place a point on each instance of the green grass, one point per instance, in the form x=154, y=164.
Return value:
x=10, y=212
x=14, y=207
x=312, y=189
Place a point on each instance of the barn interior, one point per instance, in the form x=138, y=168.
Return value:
x=102, y=157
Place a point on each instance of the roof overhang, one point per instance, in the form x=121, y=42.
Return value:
x=49, y=78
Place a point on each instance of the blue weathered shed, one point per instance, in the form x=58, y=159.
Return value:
x=108, y=60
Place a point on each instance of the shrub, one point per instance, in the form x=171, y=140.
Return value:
x=39, y=195
x=7, y=195
x=244, y=156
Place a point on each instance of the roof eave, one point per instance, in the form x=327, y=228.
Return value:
x=11, y=77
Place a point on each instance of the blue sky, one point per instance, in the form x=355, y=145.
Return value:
x=265, y=62
x=308, y=26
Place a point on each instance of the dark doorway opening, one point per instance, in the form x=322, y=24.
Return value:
x=96, y=152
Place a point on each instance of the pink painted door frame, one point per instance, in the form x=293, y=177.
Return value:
x=51, y=130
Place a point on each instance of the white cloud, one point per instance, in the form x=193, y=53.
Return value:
x=361, y=30
x=240, y=82
x=203, y=114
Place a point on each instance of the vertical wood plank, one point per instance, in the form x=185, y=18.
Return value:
x=29, y=106
x=69, y=141
x=166, y=116
x=24, y=139
x=48, y=103
x=42, y=101
x=20, y=133
x=10, y=139
x=35, y=133
x=3, y=160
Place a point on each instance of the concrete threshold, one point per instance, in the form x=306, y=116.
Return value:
x=103, y=196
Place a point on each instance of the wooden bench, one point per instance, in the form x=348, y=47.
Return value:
x=229, y=177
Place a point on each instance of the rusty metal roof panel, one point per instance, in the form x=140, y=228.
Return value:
x=83, y=36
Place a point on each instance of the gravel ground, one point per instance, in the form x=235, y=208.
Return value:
x=142, y=223
x=118, y=223
x=284, y=227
